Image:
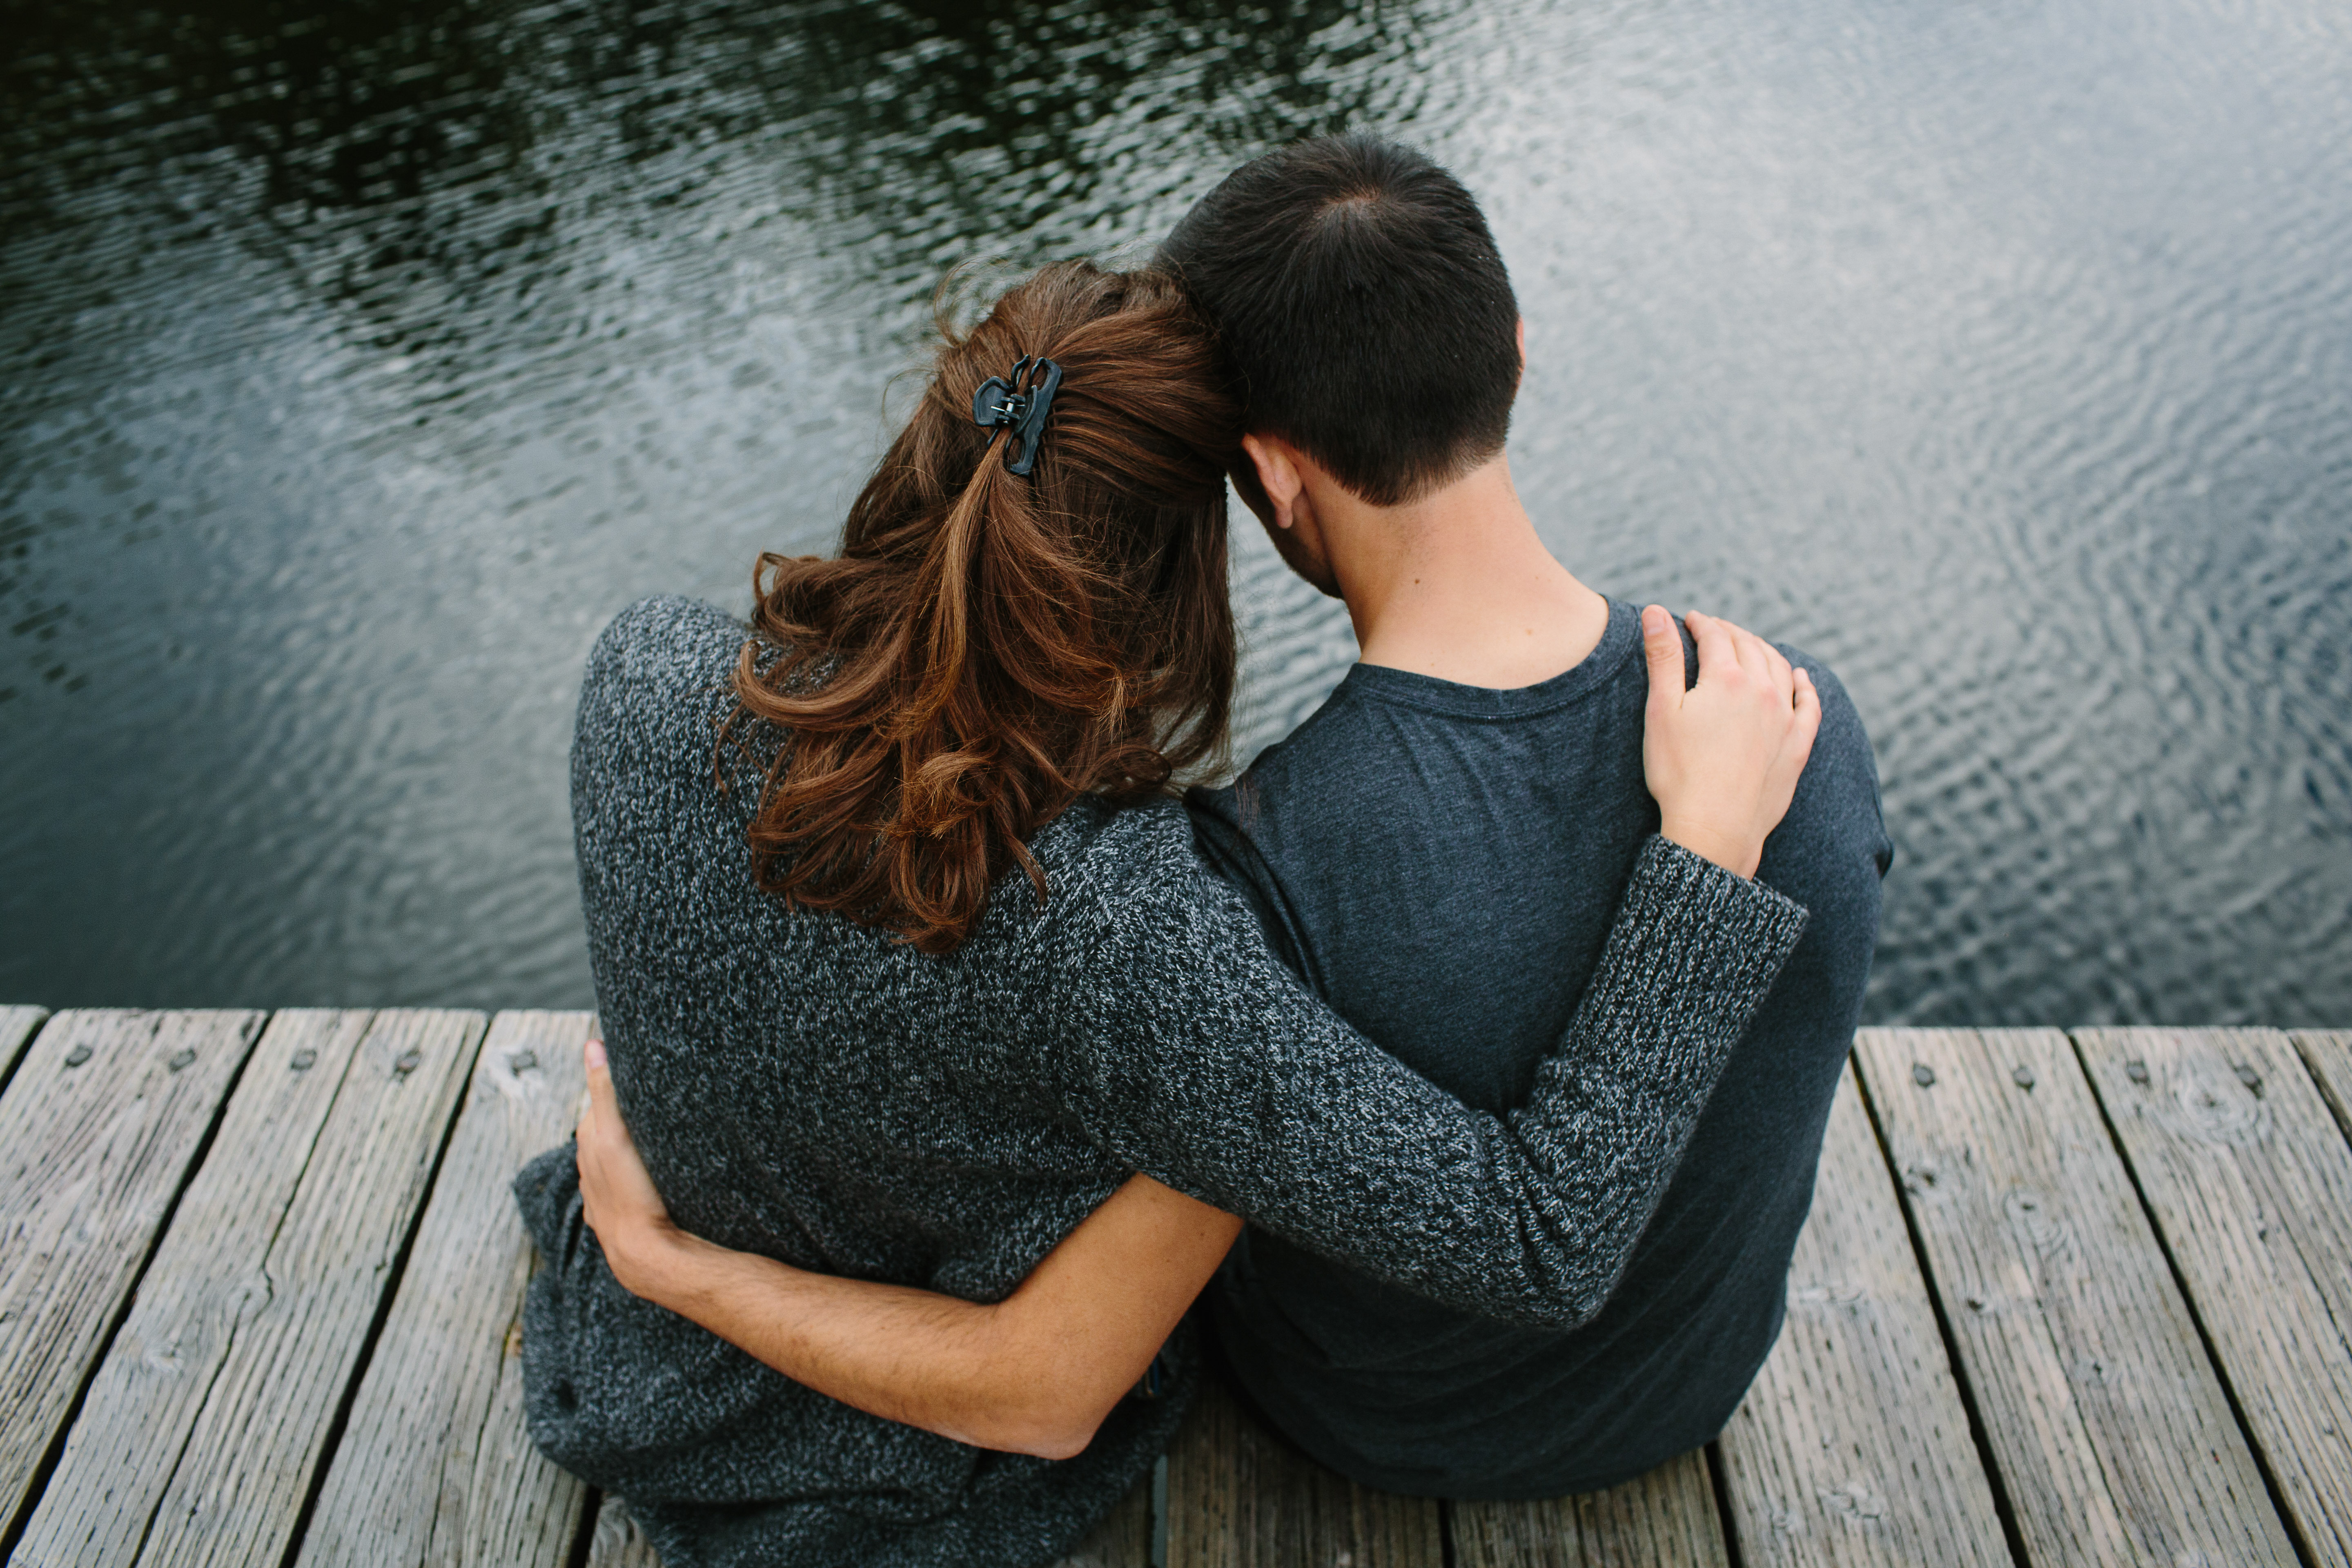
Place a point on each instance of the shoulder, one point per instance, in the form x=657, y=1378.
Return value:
x=1128, y=880
x=1842, y=755
x=652, y=700
x=1832, y=843
x=656, y=662
x=662, y=645
x=1109, y=860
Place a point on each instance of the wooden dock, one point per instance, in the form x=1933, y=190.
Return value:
x=2078, y=1298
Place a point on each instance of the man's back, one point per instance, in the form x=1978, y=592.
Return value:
x=1442, y=863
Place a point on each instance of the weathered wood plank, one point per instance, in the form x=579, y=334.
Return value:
x=1121, y=1540
x=238, y=1490
x=97, y=1134
x=1666, y=1518
x=2115, y=1442
x=206, y=1275
x=1852, y=1446
x=235, y=1490
x=2328, y=1054
x=17, y=1027
x=435, y=1465
x=2250, y=1184
x=617, y=1542
x=1240, y=1497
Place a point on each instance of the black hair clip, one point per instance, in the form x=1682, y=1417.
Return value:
x=1020, y=405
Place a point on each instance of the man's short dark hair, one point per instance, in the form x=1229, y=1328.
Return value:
x=1363, y=303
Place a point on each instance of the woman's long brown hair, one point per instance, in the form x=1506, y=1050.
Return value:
x=987, y=648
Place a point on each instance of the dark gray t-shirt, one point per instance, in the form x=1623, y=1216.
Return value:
x=1441, y=863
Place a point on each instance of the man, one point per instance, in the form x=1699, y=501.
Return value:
x=1406, y=852
x=1406, y=846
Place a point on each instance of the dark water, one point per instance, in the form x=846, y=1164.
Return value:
x=356, y=361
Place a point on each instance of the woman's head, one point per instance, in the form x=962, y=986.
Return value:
x=987, y=646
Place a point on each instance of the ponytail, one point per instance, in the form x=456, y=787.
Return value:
x=987, y=648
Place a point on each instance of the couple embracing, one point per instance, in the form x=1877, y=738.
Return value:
x=1466, y=1062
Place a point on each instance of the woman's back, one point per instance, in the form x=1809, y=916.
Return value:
x=808, y=1089
x=812, y=1088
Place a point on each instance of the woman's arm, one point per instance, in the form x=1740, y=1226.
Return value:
x=1193, y=1056
x=1034, y=1373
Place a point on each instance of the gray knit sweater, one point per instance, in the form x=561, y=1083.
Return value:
x=804, y=1088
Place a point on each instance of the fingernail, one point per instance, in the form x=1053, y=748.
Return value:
x=596, y=1054
x=1653, y=622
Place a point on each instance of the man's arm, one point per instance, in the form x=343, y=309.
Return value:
x=1034, y=1373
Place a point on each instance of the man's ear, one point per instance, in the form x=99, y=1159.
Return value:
x=1523, y=350
x=1278, y=479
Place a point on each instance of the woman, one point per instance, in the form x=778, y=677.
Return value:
x=927, y=972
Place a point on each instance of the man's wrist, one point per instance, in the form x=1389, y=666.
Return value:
x=1737, y=853
x=646, y=1258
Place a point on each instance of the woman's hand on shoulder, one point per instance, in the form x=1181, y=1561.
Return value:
x=1723, y=756
x=617, y=1196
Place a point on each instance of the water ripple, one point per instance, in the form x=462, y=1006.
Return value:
x=355, y=363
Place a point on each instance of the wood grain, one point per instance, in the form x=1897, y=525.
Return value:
x=2115, y=1442
x=436, y=1466
x=1666, y=1518
x=239, y=1487
x=2250, y=1180
x=288, y=1279
x=18, y=1027
x=617, y=1542
x=1241, y=1497
x=1853, y=1448
x=205, y=1282
x=2328, y=1054
x=97, y=1133
x=1123, y=1538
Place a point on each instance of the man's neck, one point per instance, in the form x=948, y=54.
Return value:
x=1457, y=584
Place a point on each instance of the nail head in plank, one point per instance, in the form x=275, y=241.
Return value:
x=18, y=1027
x=206, y=1280
x=1240, y=1497
x=91, y=1156
x=2250, y=1180
x=435, y=1464
x=1852, y=1446
x=2115, y=1442
x=1666, y=1518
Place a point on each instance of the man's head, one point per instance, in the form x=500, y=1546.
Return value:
x=1361, y=300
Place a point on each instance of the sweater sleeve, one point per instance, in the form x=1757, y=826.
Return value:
x=1195, y=1056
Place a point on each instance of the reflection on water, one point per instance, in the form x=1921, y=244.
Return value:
x=357, y=363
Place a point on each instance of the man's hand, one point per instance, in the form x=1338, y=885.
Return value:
x=617, y=1193
x=1723, y=757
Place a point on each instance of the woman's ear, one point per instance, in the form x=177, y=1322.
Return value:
x=1278, y=479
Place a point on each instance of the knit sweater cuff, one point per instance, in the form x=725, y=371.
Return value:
x=1696, y=944
x=1748, y=929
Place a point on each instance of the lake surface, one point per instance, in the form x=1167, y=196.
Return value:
x=358, y=362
